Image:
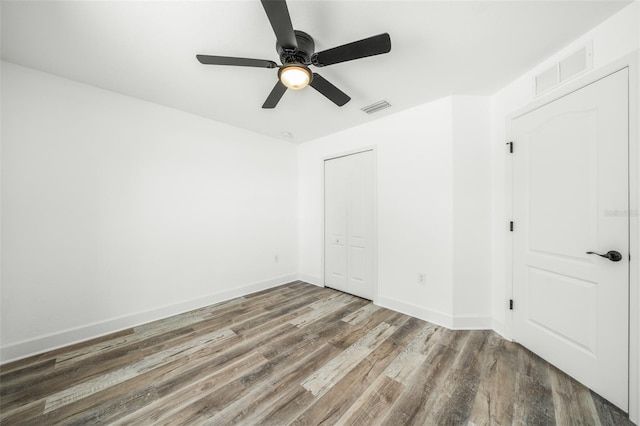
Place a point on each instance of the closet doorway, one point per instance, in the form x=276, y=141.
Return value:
x=349, y=193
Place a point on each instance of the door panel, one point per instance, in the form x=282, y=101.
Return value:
x=572, y=228
x=570, y=168
x=571, y=295
x=360, y=224
x=335, y=226
x=349, y=218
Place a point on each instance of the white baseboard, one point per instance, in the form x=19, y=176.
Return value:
x=472, y=323
x=435, y=317
x=439, y=318
x=26, y=348
x=499, y=327
x=310, y=279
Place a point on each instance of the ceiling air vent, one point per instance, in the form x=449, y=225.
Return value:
x=376, y=106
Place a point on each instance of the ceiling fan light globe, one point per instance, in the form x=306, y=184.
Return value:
x=295, y=77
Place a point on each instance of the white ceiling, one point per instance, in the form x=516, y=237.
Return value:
x=146, y=49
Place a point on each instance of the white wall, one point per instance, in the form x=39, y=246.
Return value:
x=117, y=211
x=432, y=176
x=471, y=212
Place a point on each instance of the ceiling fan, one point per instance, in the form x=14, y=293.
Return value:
x=296, y=51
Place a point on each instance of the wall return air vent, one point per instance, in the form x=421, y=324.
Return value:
x=568, y=68
x=376, y=106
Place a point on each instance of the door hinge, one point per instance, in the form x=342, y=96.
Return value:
x=511, y=304
x=510, y=147
x=511, y=226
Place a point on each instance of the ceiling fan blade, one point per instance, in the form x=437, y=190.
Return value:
x=371, y=46
x=275, y=95
x=332, y=93
x=278, y=15
x=241, y=62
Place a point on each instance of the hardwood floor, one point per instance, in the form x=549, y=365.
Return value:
x=297, y=354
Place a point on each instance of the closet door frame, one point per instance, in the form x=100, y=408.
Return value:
x=374, y=152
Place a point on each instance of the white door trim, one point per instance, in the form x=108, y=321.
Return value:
x=373, y=149
x=631, y=62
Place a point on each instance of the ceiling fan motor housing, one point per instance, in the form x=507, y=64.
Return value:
x=302, y=55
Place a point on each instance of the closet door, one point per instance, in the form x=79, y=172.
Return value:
x=349, y=224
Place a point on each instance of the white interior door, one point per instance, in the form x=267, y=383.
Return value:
x=570, y=174
x=349, y=224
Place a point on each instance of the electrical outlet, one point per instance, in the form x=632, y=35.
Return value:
x=421, y=278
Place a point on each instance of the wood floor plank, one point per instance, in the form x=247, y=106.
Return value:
x=336, y=401
x=293, y=368
x=21, y=414
x=96, y=384
x=319, y=310
x=504, y=383
x=287, y=407
x=372, y=405
x=211, y=404
x=361, y=314
x=165, y=409
x=357, y=331
x=122, y=399
x=249, y=408
x=419, y=398
x=61, y=378
x=573, y=405
x=456, y=401
x=31, y=371
x=608, y=414
x=224, y=356
x=324, y=378
x=295, y=354
x=53, y=354
x=483, y=408
x=283, y=309
x=411, y=358
x=309, y=336
x=533, y=386
x=532, y=406
x=267, y=405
